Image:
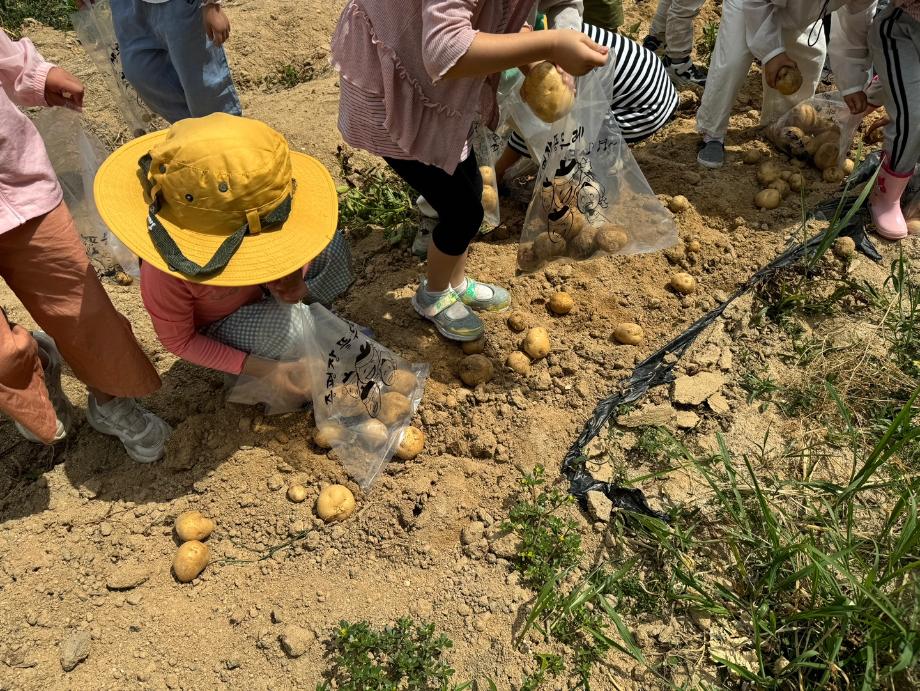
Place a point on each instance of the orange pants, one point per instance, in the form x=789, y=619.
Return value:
x=43, y=261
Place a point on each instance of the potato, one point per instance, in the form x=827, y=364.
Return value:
x=694, y=246
x=803, y=116
x=403, y=381
x=394, y=407
x=123, y=279
x=913, y=226
x=489, y=199
x=826, y=156
x=345, y=401
x=793, y=140
x=546, y=246
x=628, y=333
x=517, y=321
x=788, y=80
x=833, y=174
x=474, y=347
x=784, y=176
x=844, y=248
x=768, y=198
x=683, y=283
x=796, y=182
x=780, y=186
x=611, y=238
x=476, y=370
x=193, y=525
x=678, y=204
x=488, y=175
x=750, y=156
x=848, y=166
x=546, y=93
x=411, y=444
x=335, y=503
x=518, y=362
x=536, y=343
x=296, y=493
x=567, y=227
x=767, y=172
x=191, y=559
x=328, y=434
x=584, y=244
x=561, y=303
x=372, y=434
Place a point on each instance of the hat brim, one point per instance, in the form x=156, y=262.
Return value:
x=267, y=256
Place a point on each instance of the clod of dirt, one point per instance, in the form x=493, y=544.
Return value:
x=694, y=246
x=561, y=303
x=74, y=649
x=518, y=362
x=693, y=390
x=546, y=93
x=193, y=525
x=536, y=343
x=326, y=435
x=476, y=370
x=768, y=198
x=123, y=279
x=404, y=381
x=295, y=640
x=296, y=493
x=844, y=248
x=751, y=156
x=788, y=80
x=678, y=203
x=393, y=408
x=683, y=283
x=599, y=506
x=628, y=333
x=127, y=576
x=517, y=321
x=472, y=533
x=335, y=503
x=411, y=445
x=191, y=559
x=476, y=347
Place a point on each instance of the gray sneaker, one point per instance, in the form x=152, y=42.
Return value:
x=143, y=434
x=712, y=155
x=453, y=319
x=498, y=299
x=423, y=237
x=59, y=400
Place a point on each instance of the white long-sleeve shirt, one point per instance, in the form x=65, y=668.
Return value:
x=765, y=21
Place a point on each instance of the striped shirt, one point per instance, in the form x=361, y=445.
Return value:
x=643, y=98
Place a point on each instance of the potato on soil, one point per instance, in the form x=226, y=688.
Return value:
x=780, y=186
x=489, y=199
x=611, y=238
x=913, y=226
x=488, y=175
x=476, y=370
x=296, y=493
x=474, y=347
x=546, y=93
x=191, y=559
x=403, y=381
x=518, y=362
x=394, y=407
x=751, y=156
x=694, y=246
x=328, y=434
x=768, y=198
x=848, y=166
x=536, y=343
x=372, y=434
x=844, y=248
x=767, y=172
x=833, y=174
x=796, y=182
x=584, y=244
x=678, y=204
x=826, y=156
x=561, y=303
x=411, y=444
x=683, y=283
x=546, y=246
x=193, y=525
x=517, y=321
x=335, y=503
x=628, y=333
x=123, y=279
x=788, y=80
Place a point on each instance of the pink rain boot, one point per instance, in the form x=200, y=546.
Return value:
x=885, y=203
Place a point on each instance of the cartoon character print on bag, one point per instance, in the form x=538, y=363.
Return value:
x=356, y=367
x=574, y=196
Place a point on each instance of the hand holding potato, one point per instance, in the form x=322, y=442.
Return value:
x=575, y=53
x=773, y=66
x=857, y=103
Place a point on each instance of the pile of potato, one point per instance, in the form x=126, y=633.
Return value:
x=192, y=529
x=806, y=134
x=570, y=236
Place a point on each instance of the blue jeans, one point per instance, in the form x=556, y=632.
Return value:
x=169, y=60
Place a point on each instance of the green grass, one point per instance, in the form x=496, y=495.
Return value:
x=291, y=74
x=707, y=42
x=54, y=13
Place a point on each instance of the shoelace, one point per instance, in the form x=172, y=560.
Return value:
x=124, y=412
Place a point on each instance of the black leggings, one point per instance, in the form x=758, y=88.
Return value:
x=457, y=198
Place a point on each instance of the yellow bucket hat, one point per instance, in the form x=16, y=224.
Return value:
x=219, y=200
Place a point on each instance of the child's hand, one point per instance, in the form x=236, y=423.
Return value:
x=63, y=89
x=216, y=24
x=857, y=103
x=774, y=65
x=575, y=53
x=290, y=289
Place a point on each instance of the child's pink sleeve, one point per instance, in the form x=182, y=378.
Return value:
x=447, y=33
x=22, y=71
x=171, y=306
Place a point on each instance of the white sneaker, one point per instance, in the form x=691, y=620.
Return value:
x=62, y=407
x=143, y=434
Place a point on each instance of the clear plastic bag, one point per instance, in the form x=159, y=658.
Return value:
x=363, y=394
x=76, y=155
x=515, y=114
x=910, y=201
x=93, y=25
x=590, y=196
x=488, y=147
x=819, y=130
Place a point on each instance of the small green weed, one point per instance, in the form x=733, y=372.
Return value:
x=54, y=13
x=707, y=42
x=291, y=74
x=632, y=31
x=375, y=199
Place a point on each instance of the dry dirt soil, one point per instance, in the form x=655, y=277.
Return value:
x=80, y=519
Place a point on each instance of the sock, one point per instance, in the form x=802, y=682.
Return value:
x=456, y=311
x=481, y=291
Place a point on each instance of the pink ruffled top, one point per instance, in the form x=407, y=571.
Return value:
x=392, y=57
